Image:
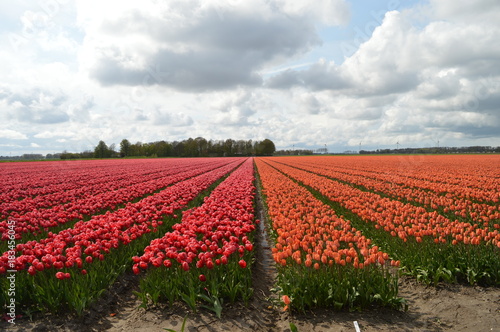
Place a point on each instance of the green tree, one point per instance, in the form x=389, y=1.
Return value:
x=202, y=146
x=137, y=149
x=249, y=148
x=178, y=148
x=102, y=150
x=125, y=148
x=163, y=149
x=265, y=148
x=190, y=148
x=229, y=147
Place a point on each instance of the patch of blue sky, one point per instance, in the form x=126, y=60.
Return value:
x=341, y=42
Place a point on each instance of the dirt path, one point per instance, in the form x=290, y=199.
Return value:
x=442, y=308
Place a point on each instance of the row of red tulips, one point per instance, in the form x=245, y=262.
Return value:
x=84, y=183
x=207, y=249
x=35, y=184
x=70, y=269
x=74, y=204
x=74, y=183
x=92, y=239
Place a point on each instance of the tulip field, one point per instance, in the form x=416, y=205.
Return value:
x=342, y=229
x=66, y=257
x=340, y=223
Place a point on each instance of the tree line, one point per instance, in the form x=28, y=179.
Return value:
x=436, y=150
x=191, y=147
x=294, y=152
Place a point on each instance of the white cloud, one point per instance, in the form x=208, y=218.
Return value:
x=329, y=12
x=161, y=117
x=12, y=134
x=73, y=75
x=484, y=11
x=52, y=134
x=192, y=46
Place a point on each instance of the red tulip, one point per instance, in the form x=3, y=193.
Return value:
x=185, y=266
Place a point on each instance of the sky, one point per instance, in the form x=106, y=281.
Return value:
x=348, y=75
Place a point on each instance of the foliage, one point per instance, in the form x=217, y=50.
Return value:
x=452, y=223
x=197, y=147
x=205, y=256
x=322, y=260
x=72, y=268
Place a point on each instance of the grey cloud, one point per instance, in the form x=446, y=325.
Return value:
x=262, y=38
x=439, y=88
x=191, y=71
x=312, y=105
x=80, y=110
x=212, y=54
x=489, y=103
x=24, y=98
x=484, y=69
x=403, y=128
x=3, y=94
x=319, y=76
x=386, y=82
x=176, y=120
x=359, y=113
x=139, y=115
x=472, y=129
x=489, y=131
x=285, y=80
x=43, y=116
x=36, y=106
x=50, y=117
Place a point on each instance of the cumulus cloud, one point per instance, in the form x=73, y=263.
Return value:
x=235, y=109
x=161, y=117
x=374, y=69
x=52, y=134
x=40, y=107
x=194, y=47
x=73, y=75
x=322, y=75
x=443, y=75
x=12, y=134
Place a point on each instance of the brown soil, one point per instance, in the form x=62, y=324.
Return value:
x=442, y=308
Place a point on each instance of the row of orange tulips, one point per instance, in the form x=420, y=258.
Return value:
x=432, y=195
x=315, y=249
x=413, y=224
x=398, y=218
x=462, y=176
